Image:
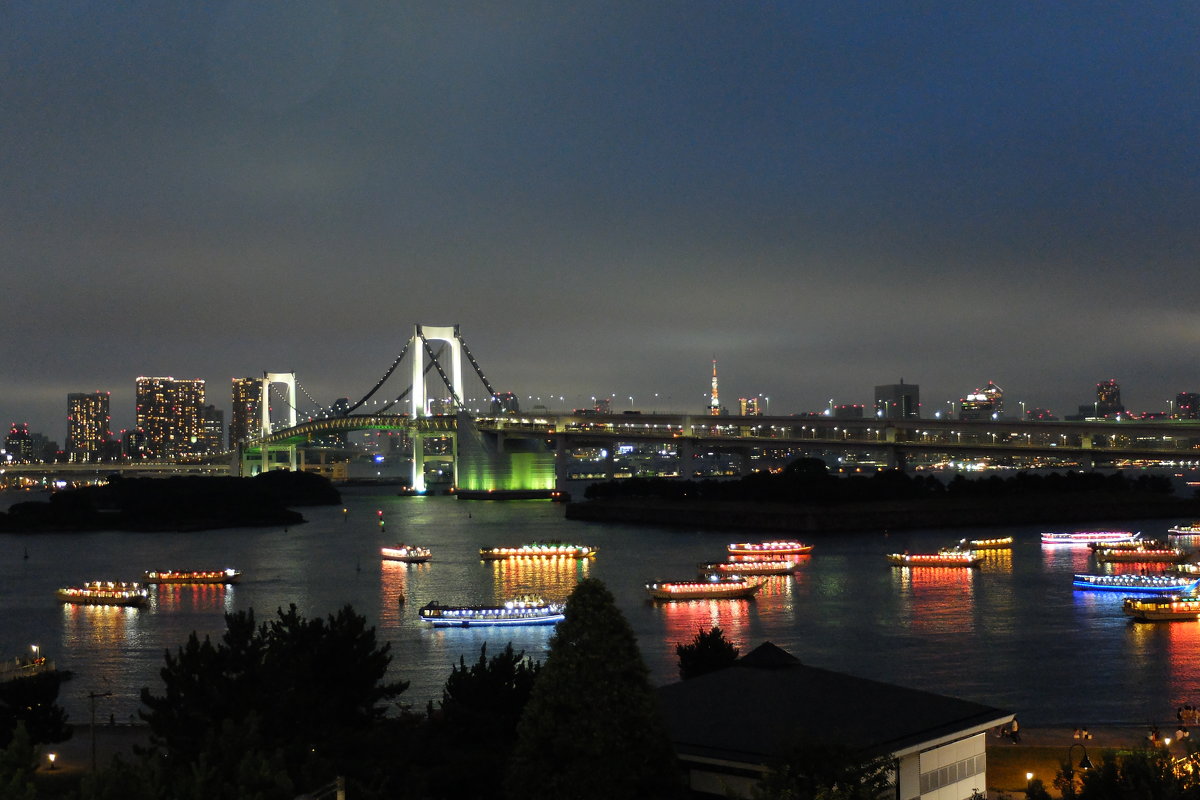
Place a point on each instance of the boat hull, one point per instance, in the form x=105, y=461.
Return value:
x=934, y=560
x=407, y=555
x=769, y=549
x=1086, y=537
x=999, y=543
x=207, y=577
x=747, y=568
x=134, y=597
x=509, y=615
x=536, y=551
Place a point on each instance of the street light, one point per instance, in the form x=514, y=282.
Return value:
x=1084, y=763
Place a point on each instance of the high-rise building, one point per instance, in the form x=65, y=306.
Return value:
x=19, y=444
x=169, y=414
x=1187, y=405
x=244, y=415
x=506, y=403
x=982, y=404
x=898, y=401
x=212, y=430
x=1108, y=398
x=749, y=407
x=87, y=425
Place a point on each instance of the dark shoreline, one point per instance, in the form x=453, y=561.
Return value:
x=882, y=515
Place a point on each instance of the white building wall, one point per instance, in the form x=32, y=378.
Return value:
x=951, y=772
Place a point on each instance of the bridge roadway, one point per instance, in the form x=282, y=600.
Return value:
x=1090, y=442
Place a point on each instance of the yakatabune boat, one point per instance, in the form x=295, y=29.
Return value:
x=761, y=567
x=205, y=576
x=944, y=558
x=1140, y=555
x=521, y=611
x=105, y=593
x=409, y=554
x=1135, y=583
x=1185, y=530
x=712, y=588
x=1155, y=609
x=538, y=550
x=770, y=549
x=995, y=543
x=1087, y=537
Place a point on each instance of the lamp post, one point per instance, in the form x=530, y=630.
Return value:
x=91, y=696
x=1084, y=763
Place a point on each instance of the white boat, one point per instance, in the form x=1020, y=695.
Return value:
x=1085, y=538
x=521, y=611
x=1137, y=583
x=409, y=554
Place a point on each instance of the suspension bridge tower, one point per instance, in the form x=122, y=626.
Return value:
x=419, y=344
x=288, y=379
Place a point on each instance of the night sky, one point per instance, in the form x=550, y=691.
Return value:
x=606, y=196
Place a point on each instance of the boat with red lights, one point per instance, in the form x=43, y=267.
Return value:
x=199, y=576
x=1137, y=583
x=1140, y=555
x=759, y=567
x=1087, y=537
x=105, y=593
x=1162, y=609
x=769, y=549
x=538, y=550
x=409, y=554
x=943, y=558
x=520, y=611
x=712, y=588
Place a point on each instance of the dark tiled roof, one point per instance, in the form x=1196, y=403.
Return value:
x=751, y=711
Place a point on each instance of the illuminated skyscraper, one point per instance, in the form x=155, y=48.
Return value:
x=749, y=407
x=244, y=415
x=169, y=415
x=1187, y=405
x=87, y=425
x=1108, y=398
x=19, y=444
x=983, y=404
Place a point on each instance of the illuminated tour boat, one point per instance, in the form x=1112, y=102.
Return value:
x=770, y=549
x=763, y=567
x=105, y=593
x=1184, y=530
x=995, y=543
x=521, y=611
x=943, y=558
x=198, y=576
x=714, y=587
x=538, y=550
x=1087, y=537
x=409, y=554
x=1140, y=555
x=1161, y=609
x=1135, y=583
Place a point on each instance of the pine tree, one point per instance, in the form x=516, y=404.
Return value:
x=708, y=652
x=592, y=728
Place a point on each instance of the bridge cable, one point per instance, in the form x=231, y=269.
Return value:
x=458, y=404
x=407, y=391
x=382, y=380
x=478, y=371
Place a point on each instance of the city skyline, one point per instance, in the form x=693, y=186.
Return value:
x=825, y=198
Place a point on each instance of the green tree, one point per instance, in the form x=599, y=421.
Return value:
x=273, y=707
x=707, y=652
x=472, y=731
x=18, y=761
x=32, y=701
x=812, y=769
x=592, y=728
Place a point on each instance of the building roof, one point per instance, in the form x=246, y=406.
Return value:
x=752, y=711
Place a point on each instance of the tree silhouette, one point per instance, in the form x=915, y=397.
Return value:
x=707, y=652
x=592, y=728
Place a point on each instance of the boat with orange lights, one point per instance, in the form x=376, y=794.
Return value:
x=769, y=549
x=1184, y=530
x=994, y=543
x=105, y=593
x=538, y=550
x=712, y=588
x=943, y=558
x=201, y=576
x=1162, y=609
x=1140, y=555
x=1087, y=537
x=527, y=610
x=760, y=567
x=408, y=553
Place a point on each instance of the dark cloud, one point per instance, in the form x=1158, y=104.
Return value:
x=605, y=196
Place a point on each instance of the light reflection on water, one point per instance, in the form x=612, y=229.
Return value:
x=1012, y=634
